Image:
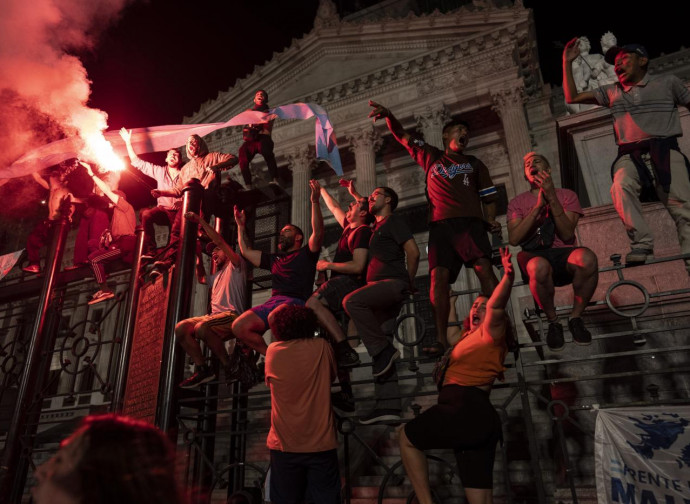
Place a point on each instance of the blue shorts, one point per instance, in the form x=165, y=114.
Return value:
x=263, y=310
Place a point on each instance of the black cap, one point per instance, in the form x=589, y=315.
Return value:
x=628, y=48
x=210, y=247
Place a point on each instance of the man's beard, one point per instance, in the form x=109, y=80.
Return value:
x=284, y=243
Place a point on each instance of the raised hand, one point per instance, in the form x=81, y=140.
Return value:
x=378, y=112
x=315, y=190
x=506, y=257
x=571, y=50
x=240, y=218
x=126, y=135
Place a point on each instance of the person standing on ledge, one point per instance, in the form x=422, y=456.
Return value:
x=257, y=140
x=457, y=187
x=647, y=126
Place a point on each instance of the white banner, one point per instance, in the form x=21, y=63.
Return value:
x=642, y=455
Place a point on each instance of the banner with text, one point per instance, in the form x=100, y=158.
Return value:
x=642, y=455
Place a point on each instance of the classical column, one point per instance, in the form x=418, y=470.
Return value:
x=363, y=143
x=509, y=105
x=300, y=164
x=430, y=123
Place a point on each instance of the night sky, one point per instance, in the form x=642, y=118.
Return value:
x=160, y=59
x=163, y=58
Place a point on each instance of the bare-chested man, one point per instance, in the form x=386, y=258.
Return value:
x=58, y=191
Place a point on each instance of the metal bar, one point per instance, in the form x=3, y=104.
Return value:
x=128, y=330
x=9, y=476
x=178, y=309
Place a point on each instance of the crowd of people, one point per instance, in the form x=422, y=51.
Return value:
x=373, y=271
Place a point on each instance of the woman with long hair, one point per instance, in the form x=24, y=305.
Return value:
x=464, y=419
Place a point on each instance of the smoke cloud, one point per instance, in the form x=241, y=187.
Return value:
x=44, y=88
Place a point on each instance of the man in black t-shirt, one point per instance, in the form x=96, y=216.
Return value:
x=457, y=187
x=257, y=140
x=292, y=271
x=393, y=262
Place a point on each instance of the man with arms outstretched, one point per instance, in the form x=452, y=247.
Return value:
x=292, y=269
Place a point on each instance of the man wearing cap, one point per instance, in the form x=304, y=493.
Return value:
x=228, y=301
x=543, y=221
x=647, y=126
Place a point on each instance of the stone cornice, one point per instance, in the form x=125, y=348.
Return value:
x=512, y=31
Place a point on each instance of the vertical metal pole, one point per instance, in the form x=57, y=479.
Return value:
x=9, y=475
x=529, y=430
x=207, y=424
x=128, y=330
x=178, y=309
x=240, y=399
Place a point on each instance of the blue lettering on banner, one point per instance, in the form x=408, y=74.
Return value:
x=451, y=171
x=627, y=495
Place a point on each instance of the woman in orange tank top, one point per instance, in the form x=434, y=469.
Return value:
x=464, y=419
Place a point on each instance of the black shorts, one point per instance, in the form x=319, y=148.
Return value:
x=335, y=290
x=299, y=476
x=457, y=241
x=556, y=257
x=464, y=420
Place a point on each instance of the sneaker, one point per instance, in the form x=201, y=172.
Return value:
x=382, y=363
x=250, y=374
x=101, y=295
x=231, y=370
x=638, y=256
x=381, y=416
x=342, y=401
x=32, y=268
x=554, y=337
x=203, y=374
x=581, y=335
x=345, y=355
x=147, y=257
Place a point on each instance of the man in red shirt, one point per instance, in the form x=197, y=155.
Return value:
x=457, y=187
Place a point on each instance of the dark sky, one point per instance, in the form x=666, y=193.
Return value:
x=163, y=58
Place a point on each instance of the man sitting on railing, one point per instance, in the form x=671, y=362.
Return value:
x=302, y=439
x=542, y=221
x=228, y=301
x=393, y=262
x=292, y=268
x=347, y=274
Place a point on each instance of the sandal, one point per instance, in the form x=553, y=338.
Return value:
x=435, y=350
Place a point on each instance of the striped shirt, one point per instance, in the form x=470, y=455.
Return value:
x=647, y=109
